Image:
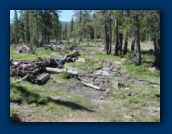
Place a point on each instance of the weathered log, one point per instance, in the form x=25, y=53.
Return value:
x=42, y=78
x=93, y=86
x=35, y=67
x=72, y=55
x=36, y=71
x=57, y=70
x=59, y=65
x=16, y=69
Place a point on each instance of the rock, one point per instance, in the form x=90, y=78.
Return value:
x=114, y=70
x=123, y=59
x=92, y=80
x=49, y=47
x=117, y=62
x=107, y=91
x=129, y=94
x=152, y=69
x=81, y=60
x=101, y=98
x=117, y=84
x=120, y=84
x=127, y=88
x=97, y=83
x=151, y=51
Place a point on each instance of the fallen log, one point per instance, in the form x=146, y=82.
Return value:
x=74, y=54
x=42, y=78
x=36, y=71
x=57, y=70
x=33, y=69
x=93, y=86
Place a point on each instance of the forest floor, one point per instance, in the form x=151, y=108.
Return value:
x=132, y=93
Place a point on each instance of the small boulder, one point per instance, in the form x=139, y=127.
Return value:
x=152, y=69
x=127, y=88
x=107, y=91
x=101, y=98
x=81, y=60
x=117, y=84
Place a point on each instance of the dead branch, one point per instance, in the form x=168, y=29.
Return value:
x=18, y=81
x=93, y=86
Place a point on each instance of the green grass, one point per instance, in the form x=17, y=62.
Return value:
x=65, y=75
x=50, y=98
x=16, y=98
x=103, y=57
x=53, y=101
x=40, y=52
x=142, y=73
x=137, y=104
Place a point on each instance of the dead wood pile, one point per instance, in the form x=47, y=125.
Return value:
x=26, y=48
x=64, y=46
x=36, y=71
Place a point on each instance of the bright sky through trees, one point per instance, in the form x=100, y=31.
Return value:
x=66, y=15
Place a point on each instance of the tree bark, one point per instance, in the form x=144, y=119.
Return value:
x=157, y=54
x=125, y=46
x=116, y=35
x=120, y=42
x=137, y=44
x=36, y=29
x=132, y=44
x=105, y=46
x=110, y=36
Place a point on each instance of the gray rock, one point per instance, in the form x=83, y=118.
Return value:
x=127, y=88
x=101, y=98
x=81, y=60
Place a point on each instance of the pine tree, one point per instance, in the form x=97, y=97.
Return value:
x=71, y=27
x=16, y=27
x=26, y=25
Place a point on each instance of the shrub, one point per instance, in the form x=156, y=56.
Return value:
x=35, y=99
x=32, y=99
x=14, y=115
x=16, y=97
x=65, y=75
x=130, y=58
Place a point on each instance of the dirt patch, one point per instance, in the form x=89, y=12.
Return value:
x=83, y=117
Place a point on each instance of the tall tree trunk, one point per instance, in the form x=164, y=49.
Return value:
x=48, y=39
x=116, y=35
x=41, y=40
x=36, y=23
x=106, y=43
x=79, y=39
x=120, y=42
x=137, y=44
x=157, y=54
x=110, y=36
x=132, y=44
x=125, y=45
